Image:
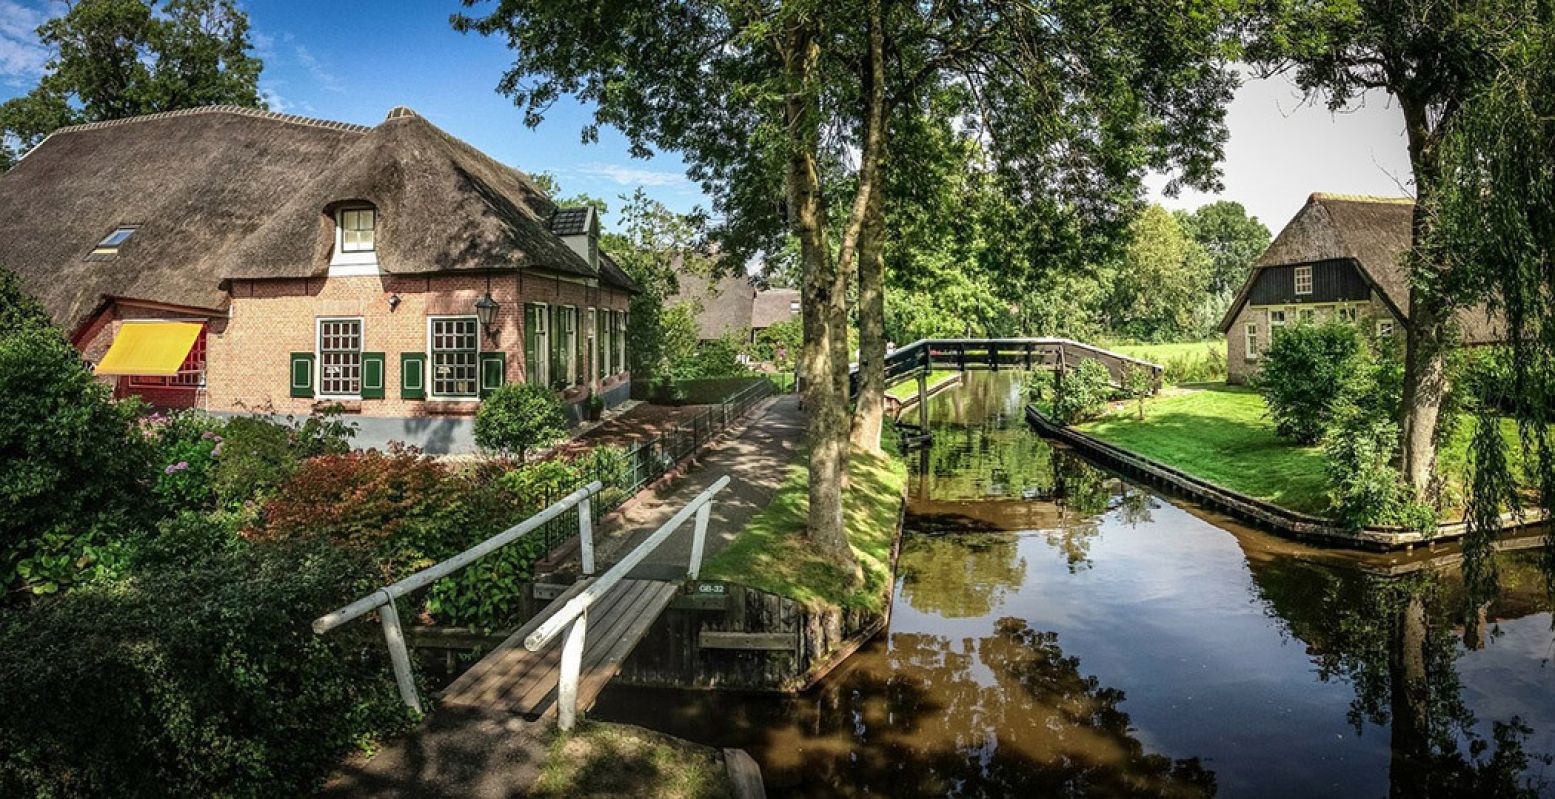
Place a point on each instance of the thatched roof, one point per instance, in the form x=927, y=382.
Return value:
x=1373, y=232
x=223, y=192
x=725, y=304
x=773, y=306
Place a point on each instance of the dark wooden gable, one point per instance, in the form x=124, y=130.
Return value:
x=1336, y=280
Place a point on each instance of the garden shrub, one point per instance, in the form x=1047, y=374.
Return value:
x=259, y=454
x=74, y=468
x=1299, y=372
x=780, y=344
x=1205, y=366
x=19, y=311
x=1360, y=442
x=1082, y=392
x=193, y=675
x=517, y=418
x=187, y=447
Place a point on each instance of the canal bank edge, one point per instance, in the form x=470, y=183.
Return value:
x=726, y=635
x=1267, y=515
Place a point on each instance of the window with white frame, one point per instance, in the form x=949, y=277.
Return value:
x=1385, y=327
x=356, y=229
x=1307, y=314
x=455, y=347
x=564, y=359
x=1348, y=313
x=1276, y=320
x=537, y=344
x=1252, y=341
x=618, y=338
x=340, y=357
x=1303, y=280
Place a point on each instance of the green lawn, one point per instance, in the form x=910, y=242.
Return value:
x=603, y=760
x=908, y=389
x=1222, y=434
x=1161, y=353
x=771, y=553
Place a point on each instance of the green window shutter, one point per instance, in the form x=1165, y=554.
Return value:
x=413, y=375
x=372, y=375
x=493, y=368
x=302, y=374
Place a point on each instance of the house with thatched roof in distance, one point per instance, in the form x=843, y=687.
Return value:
x=1341, y=256
x=732, y=305
x=245, y=261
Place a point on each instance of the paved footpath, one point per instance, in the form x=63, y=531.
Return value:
x=489, y=754
x=756, y=459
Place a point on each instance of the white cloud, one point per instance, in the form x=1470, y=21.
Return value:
x=21, y=57
x=326, y=79
x=631, y=176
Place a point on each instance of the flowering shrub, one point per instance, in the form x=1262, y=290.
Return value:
x=187, y=446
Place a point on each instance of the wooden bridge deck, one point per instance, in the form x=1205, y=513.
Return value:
x=512, y=678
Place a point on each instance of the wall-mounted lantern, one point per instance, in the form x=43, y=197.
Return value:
x=486, y=311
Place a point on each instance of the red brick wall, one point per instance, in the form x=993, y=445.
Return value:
x=249, y=363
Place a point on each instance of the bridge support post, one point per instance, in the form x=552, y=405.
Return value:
x=572, y=663
x=399, y=657
x=699, y=539
x=923, y=401
x=586, y=536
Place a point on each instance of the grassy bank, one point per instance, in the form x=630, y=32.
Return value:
x=609, y=760
x=1184, y=362
x=773, y=555
x=907, y=390
x=1224, y=434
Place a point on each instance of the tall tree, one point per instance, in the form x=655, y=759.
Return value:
x=118, y=58
x=1429, y=55
x=1231, y=239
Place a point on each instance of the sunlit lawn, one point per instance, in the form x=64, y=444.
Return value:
x=1161, y=353
x=1224, y=435
x=772, y=554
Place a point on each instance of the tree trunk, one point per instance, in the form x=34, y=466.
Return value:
x=827, y=431
x=869, y=410
x=1425, y=353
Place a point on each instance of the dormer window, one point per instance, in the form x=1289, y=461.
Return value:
x=356, y=229
x=356, y=242
x=109, y=246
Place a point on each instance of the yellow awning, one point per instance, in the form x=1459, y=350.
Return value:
x=149, y=348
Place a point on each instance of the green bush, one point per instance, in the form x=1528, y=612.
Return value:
x=195, y=675
x=780, y=344
x=1299, y=372
x=1082, y=392
x=187, y=446
x=519, y=417
x=19, y=311
x=75, y=470
x=259, y=454
x=1205, y=366
x=1360, y=441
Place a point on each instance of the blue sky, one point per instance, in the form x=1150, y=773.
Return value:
x=353, y=60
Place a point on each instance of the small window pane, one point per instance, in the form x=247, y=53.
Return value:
x=356, y=230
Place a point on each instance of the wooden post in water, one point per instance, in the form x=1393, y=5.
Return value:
x=923, y=401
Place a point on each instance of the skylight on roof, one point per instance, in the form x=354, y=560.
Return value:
x=109, y=246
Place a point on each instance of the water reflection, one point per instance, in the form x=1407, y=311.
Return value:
x=1059, y=631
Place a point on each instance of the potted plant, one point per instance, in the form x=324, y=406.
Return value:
x=596, y=406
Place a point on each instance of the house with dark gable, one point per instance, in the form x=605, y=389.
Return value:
x=245, y=261
x=1341, y=257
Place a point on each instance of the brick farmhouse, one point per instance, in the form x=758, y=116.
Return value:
x=1341, y=256
x=244, y=261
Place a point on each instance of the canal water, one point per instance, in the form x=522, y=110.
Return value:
x=1059, y=631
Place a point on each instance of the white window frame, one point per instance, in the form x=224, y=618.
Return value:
x=542, y=349
x=1302, y=272
x=1348, y=313
x=431, y=363
x=355, y=262
x=104, y=248
x=318, y=355
x=1250, y=330
x=1385, y=327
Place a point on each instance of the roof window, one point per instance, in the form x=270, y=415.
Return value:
x=109, y=246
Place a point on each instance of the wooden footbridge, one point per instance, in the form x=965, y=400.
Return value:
x=995, y=354
x=558, y=663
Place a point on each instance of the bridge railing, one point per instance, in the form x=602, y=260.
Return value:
x=572, y=617
x=382, y=600
x=1005, y=353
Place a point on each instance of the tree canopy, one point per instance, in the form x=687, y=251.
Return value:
x=112, y=59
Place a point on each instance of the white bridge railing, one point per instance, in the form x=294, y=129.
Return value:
x=382, y=600
x=573, y=616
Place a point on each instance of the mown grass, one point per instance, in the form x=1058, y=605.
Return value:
x=610, y=760
x=908, y=389
x=773, y=555
x=1223, y=434
x=1161, y=353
